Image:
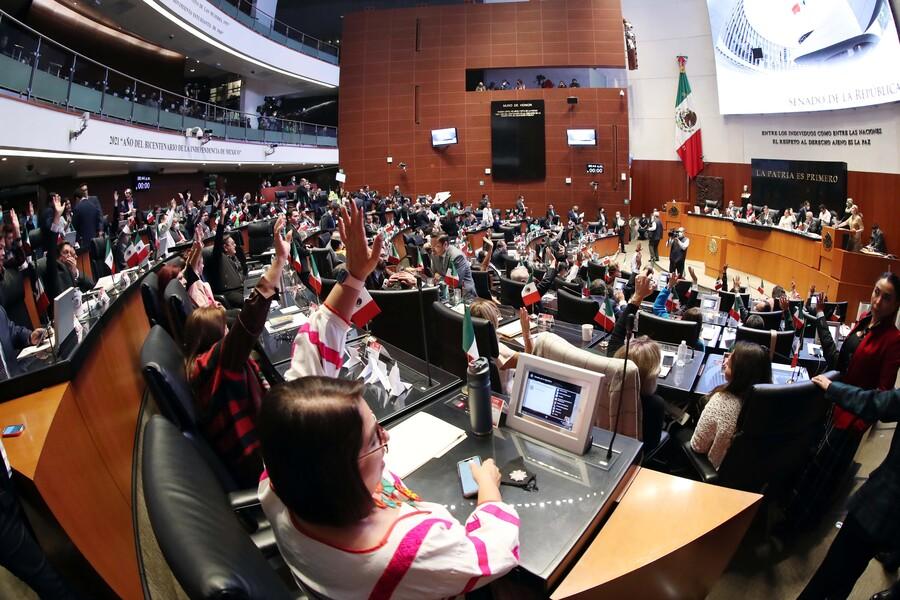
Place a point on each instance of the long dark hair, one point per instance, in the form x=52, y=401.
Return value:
x=311, y=433
x=750, y=364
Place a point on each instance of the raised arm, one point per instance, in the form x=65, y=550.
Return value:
x=869, y=405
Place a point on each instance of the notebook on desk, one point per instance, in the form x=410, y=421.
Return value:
x=417, y=440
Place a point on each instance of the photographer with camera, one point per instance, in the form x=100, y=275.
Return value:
x=679, y=243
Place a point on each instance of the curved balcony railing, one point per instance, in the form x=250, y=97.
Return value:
x=39, y=69
x=261, y=22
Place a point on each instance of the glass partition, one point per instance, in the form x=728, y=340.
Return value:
x=41, y=70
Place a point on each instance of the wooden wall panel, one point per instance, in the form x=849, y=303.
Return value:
x=655, y=182
x=380, y=75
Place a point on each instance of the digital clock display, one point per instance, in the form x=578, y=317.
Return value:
x=141, y=183
x=594, y=168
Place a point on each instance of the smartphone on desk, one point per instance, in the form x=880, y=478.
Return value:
x=667, y=361
x=13, y=430
x=469, y=486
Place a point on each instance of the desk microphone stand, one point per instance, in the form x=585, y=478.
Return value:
x=629, y=328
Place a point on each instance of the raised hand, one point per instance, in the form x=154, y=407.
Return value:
x=282, y=242
x=361, y=259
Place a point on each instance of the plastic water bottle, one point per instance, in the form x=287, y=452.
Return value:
x=681, y=357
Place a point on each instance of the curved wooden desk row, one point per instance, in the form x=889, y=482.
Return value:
x=781, y=256
x=77, y=447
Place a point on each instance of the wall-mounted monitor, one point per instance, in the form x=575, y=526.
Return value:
x=444, y=137
x=581, y=137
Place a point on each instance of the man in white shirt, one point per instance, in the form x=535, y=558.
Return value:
x=487, y=215
x=824, y=215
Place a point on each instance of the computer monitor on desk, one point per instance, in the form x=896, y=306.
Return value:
x=554, y=402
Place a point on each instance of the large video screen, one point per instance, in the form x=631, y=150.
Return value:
x=782, y=56
x=780, y=184
x=517, y=140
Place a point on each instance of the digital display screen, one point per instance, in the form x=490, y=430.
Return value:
x=443, y=137
x=594, y=168
x=141, y=183
x=518, y=144
x=550, y=400
x=581, y=137
x=782, y=56
x=709, y=303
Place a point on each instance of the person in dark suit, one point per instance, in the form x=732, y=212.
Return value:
x=552, y=216
x=327, y=224
x=872, y=524
x=87, y=220
x=225, y=271
x=443, y=254
x=654, y=235
x=498, y=257
x=67, y=272
x=574, y=218
x=13, y=338
x=876, y=242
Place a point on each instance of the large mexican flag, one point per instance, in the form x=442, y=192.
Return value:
x=688, y=142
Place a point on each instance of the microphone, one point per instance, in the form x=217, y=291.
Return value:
x=424, y=333
x=629, y=328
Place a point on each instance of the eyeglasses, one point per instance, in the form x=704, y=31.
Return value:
x=382, y=438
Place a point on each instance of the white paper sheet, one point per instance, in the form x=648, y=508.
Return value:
x=418, y=439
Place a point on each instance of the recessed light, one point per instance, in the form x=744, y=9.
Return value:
x=3, y=159
x=192, y=70
x=72, y=162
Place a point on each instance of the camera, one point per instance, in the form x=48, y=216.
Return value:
x=673, y=234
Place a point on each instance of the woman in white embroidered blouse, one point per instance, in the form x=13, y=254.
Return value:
x=346, y=526
x=747, y=365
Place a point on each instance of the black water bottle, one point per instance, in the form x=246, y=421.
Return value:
x=479, y=385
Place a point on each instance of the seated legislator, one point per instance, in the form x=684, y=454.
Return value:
x=67, y=272
x=744, y=367
x=349, y=528
x=646, y=354
x=876, y=241
x=508, y=359
x=13, y=338
x=443, y=253
x=226, y=271
x=226, y=382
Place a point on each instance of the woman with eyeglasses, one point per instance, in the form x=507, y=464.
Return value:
x=346, y=526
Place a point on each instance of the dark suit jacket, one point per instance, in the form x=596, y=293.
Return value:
x=876, y=506
x=64, y=276
x=88, y=221
x=12, y=339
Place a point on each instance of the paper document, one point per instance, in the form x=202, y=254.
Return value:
x=255, y=272
x=418, y=439
x=398, y=386
x=285, y=322
x=29, y=350
x=512, y=329
x=709, y=332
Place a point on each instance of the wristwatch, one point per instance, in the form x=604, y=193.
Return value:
x=344, y=277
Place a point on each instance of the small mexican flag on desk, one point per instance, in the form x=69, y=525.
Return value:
x=530, y=294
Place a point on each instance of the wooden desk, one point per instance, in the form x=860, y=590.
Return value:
x=605, y=246
x=668, y=538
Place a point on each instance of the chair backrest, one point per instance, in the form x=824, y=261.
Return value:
x=573, y=287
x=162, y=364
x=772, y=319
x=511, y=263
x=482, y=281
x=322, y=256
x=835, y=311
x=682, y=288
x=575, y=309
x=12, y=294
x=511, y=292
x=776, y=437
x=98, y=258
x=448, y=353
x=35, y=240
x=260, y=237
x=783, y=341
x=150, y=296
x=595, y=271
x=551, y=346
x=399, y=322
x=180, y=305
x=509, y=233
x=669, y=331
x=208, y=550
x=727, y=300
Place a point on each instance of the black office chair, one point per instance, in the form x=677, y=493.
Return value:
x=483, y=282
x=776, y=436
x=210, y=553
x=36, y=241
x=835, y=311
x=324, y=263
x=595, y=271
x=772, y=319
x=727, y=300
x=150, y=296
x=162, y=364
x=511, y=292
x=398, y=323
x=12, y=294
x=448, y=352
x=98, y=258
x=511, y=263
x=180, y=306
x=784, y=340
x=260, y=237
x=573, y=287
x=682, y=288
x=573, y=308
x=669, y=331
x=509, y=233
